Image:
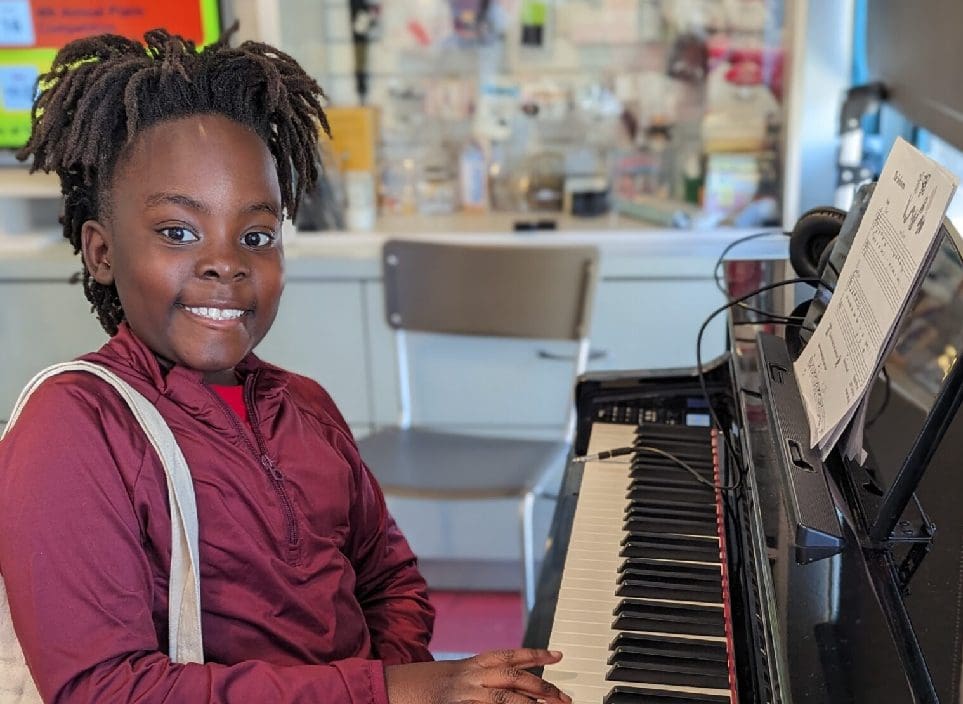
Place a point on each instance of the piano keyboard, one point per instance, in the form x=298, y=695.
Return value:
x=642, y=615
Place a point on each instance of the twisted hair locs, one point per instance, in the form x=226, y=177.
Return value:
x=102, y=91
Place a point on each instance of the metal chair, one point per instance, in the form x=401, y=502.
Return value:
x=541, y=293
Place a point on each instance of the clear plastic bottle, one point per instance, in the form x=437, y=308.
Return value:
x=399, y=179
x=473, y=177
x=437, y=182
x=501, y=191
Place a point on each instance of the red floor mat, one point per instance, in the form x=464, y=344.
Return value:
x=470, y=622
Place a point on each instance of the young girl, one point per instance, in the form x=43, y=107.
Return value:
x=177, y=167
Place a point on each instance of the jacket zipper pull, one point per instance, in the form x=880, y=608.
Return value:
x=272, y=469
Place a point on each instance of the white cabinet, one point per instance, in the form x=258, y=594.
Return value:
x=320, y=332
x=381, y=355
x=653, y=323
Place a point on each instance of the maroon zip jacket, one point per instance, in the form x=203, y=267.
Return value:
x=308, y=587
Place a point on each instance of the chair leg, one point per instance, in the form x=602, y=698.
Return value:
x=528, y=553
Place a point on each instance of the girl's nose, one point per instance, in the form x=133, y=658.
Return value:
x=225, y=261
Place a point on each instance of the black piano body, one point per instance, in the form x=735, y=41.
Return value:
x=866, y=621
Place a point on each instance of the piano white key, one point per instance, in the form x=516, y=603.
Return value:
x=583, y=616
x=597, y=598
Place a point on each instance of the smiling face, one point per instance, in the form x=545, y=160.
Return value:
x=193, y=242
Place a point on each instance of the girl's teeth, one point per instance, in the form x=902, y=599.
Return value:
x=217, y=313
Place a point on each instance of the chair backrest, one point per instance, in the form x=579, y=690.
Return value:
x=534, y=292
x=504, y=291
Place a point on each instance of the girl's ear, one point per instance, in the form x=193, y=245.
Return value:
x=97, y=248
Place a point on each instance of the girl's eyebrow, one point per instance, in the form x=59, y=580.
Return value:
x=163, y=197
x=264, y=206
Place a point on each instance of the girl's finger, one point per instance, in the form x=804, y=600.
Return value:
x=504, y=696
x=517, y=680
x=517, y=657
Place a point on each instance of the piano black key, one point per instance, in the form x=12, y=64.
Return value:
x=675, y=478
x=673, y=432
x=701, y=505
x=657, y=476
x=638, y=512
x=693, y=648
x=682, y=541
x=671, y=509
x=636, y=695
x=647, y=506
x=652, y=548
x=683, y=490
x=669, y=470
x=692, y=505
x=691, y=619
x=648, y=462
x=643, y=460
x=669, y=577
x=645, y=588
x=660, y=668
x=702, y=443
x=669, y=524
x=681, y=570
x=655, y=456
x=685, y=451
x=669, y=546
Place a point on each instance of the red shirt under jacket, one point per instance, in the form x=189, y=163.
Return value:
x=307, y=587
x=233, y=396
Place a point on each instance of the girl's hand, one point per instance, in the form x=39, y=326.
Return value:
x=495, y=677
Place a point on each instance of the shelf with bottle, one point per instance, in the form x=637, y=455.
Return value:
x=512, y=88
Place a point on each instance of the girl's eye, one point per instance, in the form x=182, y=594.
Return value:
x=257, y=239
x=178, y=234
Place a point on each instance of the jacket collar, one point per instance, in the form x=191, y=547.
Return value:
x=186, y=387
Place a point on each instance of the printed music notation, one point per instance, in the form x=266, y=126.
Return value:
x=894, y=243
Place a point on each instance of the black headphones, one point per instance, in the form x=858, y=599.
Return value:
x=810, y=246
x=811, y=240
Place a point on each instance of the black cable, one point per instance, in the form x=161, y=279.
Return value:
x=724, y=433
x=882, y=407
x=796, y=320
x=728, y=248
x=738, y=463
x=605, y=454
x=789, y=318
x=620, y=451
x=724, y=307
x=822, y=283
x=774, y=319
x=760, y=311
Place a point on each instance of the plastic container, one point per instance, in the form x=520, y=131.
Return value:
x=473, y=177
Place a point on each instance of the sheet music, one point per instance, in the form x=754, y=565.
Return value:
x=895, y=240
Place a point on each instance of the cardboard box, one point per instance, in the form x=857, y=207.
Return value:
x=354, y=137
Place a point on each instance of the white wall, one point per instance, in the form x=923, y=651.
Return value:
x=820, y=74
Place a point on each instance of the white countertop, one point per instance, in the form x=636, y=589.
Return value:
x=627, y=246
x=608, y=231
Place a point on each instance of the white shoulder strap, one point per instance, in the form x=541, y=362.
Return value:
x=184, y=605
